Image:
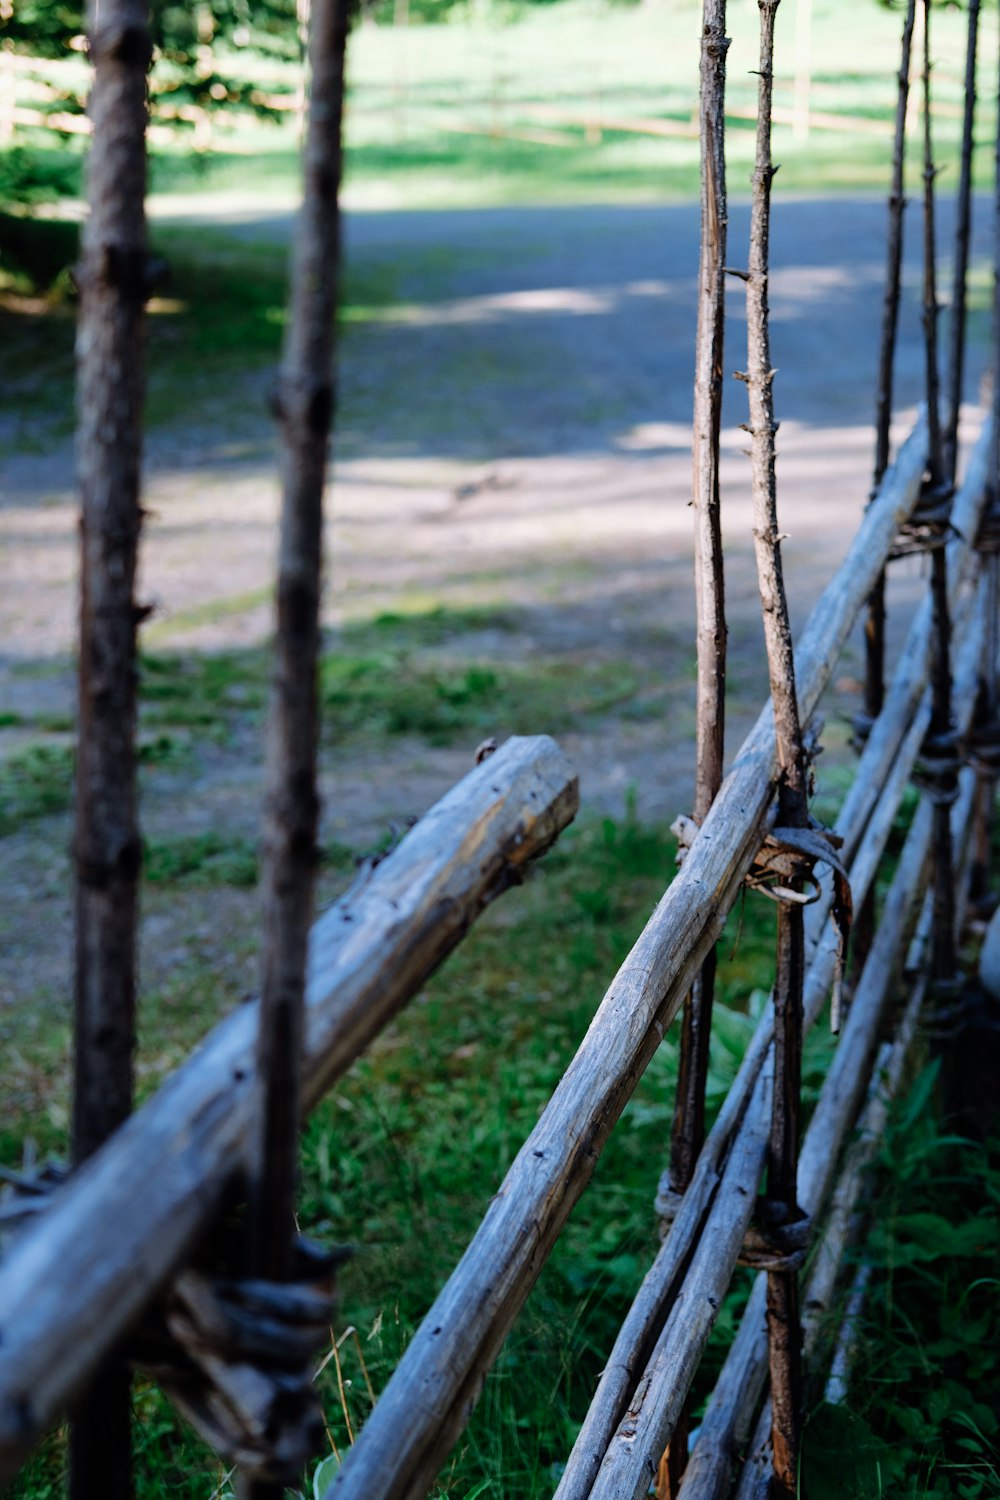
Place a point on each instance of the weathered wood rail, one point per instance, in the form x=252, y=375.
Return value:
x=73, y=1284
x=114, y=1245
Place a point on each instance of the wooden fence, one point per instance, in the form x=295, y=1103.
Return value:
x=141, y=1256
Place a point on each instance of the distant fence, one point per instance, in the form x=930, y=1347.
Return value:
x=136, y=1258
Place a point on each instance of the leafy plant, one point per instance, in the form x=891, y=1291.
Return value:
x=926, y=1395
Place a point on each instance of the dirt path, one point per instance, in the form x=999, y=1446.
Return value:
x=513, y=436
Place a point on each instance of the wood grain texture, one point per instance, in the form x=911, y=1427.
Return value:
x=429, y=1398
x=841, y=1218
x=864, y=824
x=631, y=1460
x=725, y=1427
x=74, y=1283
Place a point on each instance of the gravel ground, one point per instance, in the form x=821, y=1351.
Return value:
x=514, y=432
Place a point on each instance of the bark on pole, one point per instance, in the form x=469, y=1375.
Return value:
x=782, y=1300
x=875, y=623
x=963, y=226
x=688, y=1131
x=305, y=403
x=106, y=847
x=989, y=542
x=689, y=1112
x=940, y=745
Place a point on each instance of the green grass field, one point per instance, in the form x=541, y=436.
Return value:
x=562, y=102
x=549, y=103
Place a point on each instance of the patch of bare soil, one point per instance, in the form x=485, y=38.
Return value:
x=514, y=440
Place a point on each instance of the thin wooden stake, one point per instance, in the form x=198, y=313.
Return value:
x=305, y=403
x=935, y=451
x=943, y=955
x=963, y=224
x=785, y=1334
x=875, y=623
x=990, y=584
x=689, y=1112
x=106, y=848
x=688, y=1130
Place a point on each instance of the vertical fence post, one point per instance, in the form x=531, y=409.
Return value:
x=305, y=404
x=784, y=1325
x=986, y=734
x=688, y=1129
x=875, y=624
x=112, y=279
x=689, y=1112
x=874, y=692
x=963, y=226
x=939, y=763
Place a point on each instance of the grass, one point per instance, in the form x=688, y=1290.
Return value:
x=402, y=1159
x=442, y=117
x=200, y=859
x=504, y=106
x=922, y=1416
x=37, y=781
x=398, y=674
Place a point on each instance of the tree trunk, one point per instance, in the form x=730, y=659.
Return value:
x=107, y=851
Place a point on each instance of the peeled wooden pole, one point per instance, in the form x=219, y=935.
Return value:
x=754, y=1477
x=107, y=851
x=305, y=405
x=657, y=1391
x=50, y=1339
x=643, y=1324
x=73, y=1284
x=431, y=1394
x=726, y=1424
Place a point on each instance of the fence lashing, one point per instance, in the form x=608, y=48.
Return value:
x=864, y=826
x=753, y=1483
x=113, y=283
x=688, y=1126
x=726, y=1424
x=430, y=1396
